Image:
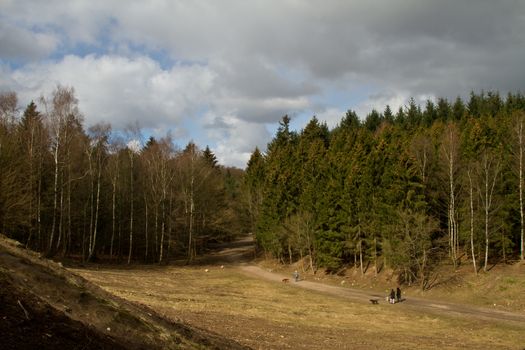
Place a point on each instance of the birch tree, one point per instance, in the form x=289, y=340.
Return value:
x=518, y=147
x=450, y=159
x=116, y=145
x=97, y=152
x=192, y=174
x=59, y=109
x=471, y=216
x=133, y=148
x=489, y=173
x=160, y=174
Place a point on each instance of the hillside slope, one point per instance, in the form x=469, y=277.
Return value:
x=45, y=306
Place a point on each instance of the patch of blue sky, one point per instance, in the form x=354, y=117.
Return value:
x=300, y=119
x=160, y=56
x=192, y=131
x=79, y=50
x=11, y=64
x=340, y=98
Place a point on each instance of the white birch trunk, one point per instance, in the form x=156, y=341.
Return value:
x=131, y=208
x=520, y=179
x=471, y=192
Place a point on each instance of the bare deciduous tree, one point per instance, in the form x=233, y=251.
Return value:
x=60, y=110
x=97, y=151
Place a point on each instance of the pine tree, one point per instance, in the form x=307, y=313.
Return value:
x=209, y=157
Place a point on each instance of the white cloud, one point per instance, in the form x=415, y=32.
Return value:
x=236, y=139
x=331, y=116
x=394, y=99
x=121, y=90
x=167, y=62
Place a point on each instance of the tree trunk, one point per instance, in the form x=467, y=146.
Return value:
x=157, y=248
x=113, y=219
x=452, y=215
x=361, y=257
x=487, y=198
x=161, y=241
x=190, y=229
x=55, y=200
x=375, y=256
x=486, y=223
x=450, y=153
x=31, y=184
x=61, y=218
x=146, y=226
x=67, y=241
x=471, y=191
x=520, y=179
x=97, y=206
x=131, y=208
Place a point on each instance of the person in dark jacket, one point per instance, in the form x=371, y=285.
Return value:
x=398, y=294
x=392, y=296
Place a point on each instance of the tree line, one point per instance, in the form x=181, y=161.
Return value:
x=98, y=193
x=405, y=190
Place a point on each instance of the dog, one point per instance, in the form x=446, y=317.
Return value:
x=286, y=280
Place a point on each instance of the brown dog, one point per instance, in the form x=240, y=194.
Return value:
x=286, y=280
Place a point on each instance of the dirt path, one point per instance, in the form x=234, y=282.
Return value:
x=240, y=254
x=417, y=304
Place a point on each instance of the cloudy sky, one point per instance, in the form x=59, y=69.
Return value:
x=223, y=73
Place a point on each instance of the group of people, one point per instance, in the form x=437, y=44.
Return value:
x=394, y=296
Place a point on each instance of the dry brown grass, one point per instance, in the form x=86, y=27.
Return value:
x=273, y=315
x=501, y=288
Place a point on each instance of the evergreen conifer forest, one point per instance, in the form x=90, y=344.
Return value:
x=403, y=190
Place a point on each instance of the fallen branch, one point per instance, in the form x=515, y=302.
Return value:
x=25, y=311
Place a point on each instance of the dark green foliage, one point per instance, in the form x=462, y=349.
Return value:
x=373, y=120
x=377, y=191
x=209, y=157
x=373, y=191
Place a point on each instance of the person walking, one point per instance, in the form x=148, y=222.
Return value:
x=398, y=294
x=392, y=296
x=295, y=276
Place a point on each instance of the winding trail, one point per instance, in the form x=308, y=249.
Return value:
x=240, y=254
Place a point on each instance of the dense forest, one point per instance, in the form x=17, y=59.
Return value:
x=98, y=193
x=406, y=190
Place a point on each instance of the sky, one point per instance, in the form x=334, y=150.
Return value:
x=224, y=73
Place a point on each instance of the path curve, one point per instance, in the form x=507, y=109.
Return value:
x=240, y=254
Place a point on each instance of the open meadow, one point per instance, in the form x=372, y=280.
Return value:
x=269, y=314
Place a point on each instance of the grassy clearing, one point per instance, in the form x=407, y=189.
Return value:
x=270, y=315
x=499, y=289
